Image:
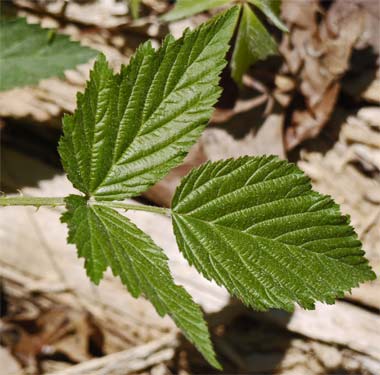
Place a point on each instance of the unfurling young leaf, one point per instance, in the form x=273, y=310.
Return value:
x=128, y=131
x=30, y=53
x=255, y=226
x=253, y=43
x=253, y=40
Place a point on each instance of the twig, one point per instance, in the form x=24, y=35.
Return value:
x=127, y=361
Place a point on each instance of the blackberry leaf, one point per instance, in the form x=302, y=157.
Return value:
x=255, y=226
x=131, y=129
x=106, y=238
x=30, y=53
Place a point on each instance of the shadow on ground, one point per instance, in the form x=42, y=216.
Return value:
x=245, y=343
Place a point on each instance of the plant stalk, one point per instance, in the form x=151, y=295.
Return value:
x=60, y=201
x=134, y=207
x=31, y=201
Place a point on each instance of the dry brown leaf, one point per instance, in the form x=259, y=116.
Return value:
x=317, y=53
x=307, y=124
x=62, y=330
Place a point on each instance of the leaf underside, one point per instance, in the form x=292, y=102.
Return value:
x=255, y=226
x=106, y=238
x=187, y=8
x=29, y=53
x=272, y=9
x=253, y=43
x=132, y=128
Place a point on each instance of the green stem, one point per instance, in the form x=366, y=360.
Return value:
x=31, y=201
x=134, y=207
x=59, y=201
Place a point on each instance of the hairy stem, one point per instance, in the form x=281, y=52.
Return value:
x=31, y=201
x=60, y=201
x=126, y=206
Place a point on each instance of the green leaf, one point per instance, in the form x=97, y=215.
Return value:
x=131, y=129
x=186, y=8
x=134, y=6
x=30, y=53
x=255, y=226
x=105, y=238
x=272, y=9
x=253, y=43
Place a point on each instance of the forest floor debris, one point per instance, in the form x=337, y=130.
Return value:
x=326, y=85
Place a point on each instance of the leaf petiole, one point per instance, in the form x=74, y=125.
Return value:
x=134, y=207
x=60, y=201
x=31, y=201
